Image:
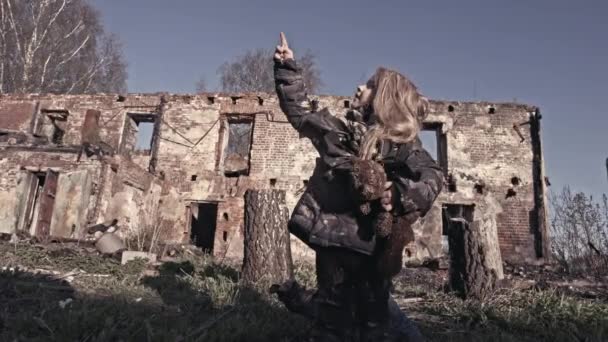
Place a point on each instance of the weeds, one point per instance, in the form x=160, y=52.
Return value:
x=529, y=315
x=146, y=238
x=195, y=299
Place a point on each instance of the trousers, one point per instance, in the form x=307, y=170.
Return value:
x=352, y=301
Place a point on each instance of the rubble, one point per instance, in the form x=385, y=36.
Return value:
x=550, y=276
x=109, y=243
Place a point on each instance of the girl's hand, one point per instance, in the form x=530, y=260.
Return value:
x=387, y=197
x=283, y=52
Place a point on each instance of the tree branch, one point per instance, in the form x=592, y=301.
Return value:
x=46, y=63
x=86, y=75
x=75, y=52
x=51, y=22
x=14, y=27
x=78, y=25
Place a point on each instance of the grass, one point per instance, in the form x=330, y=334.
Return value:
x=519, y=316
x=195, y=299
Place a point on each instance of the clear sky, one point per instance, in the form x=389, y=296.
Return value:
x=549, y=53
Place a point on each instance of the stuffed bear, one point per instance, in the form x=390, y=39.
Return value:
x=393, y=233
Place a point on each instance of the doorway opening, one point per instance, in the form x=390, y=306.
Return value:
x=33, y=205
x=40, y=203
x=203, y=221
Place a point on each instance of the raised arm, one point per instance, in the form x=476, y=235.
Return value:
x=291, y=90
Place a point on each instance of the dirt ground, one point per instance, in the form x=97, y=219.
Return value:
x=67, y=292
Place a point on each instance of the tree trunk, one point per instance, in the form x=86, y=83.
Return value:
x=473, y=270
x=267, y=255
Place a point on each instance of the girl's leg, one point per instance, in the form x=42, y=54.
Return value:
x=334, y=300
x=379, y=316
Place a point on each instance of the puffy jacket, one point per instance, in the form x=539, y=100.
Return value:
x=326, y=213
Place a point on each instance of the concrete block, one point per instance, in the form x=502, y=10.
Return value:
x=132, y=255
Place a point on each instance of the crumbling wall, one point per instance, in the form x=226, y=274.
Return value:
x=278, y=152
x=488, y=156
x=109, y=177
x=9, y=197
x=191, y=155
x=17, y=163
x=91, y=193
x=16, y=114
x=188, y=137
x=487, y=159
x=130, y=187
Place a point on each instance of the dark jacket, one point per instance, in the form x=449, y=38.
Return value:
x=326, y=213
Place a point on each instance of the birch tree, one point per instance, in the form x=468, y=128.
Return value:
x=57, y=46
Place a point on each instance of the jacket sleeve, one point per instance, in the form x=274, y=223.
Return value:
x=328, y=134
x=291, y=92
x=417, y=182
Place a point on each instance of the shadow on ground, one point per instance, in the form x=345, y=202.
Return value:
x=179, y=304
x=198, y=300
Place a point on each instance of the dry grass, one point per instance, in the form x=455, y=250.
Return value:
x=515, y=315
x=194, y=299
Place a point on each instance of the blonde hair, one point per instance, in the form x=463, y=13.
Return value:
x=398, y=107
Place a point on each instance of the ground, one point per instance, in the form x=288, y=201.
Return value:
x=69, y=293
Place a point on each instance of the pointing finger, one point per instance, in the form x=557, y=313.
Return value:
x=283, y=40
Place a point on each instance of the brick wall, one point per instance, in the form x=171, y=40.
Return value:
x=483, y=148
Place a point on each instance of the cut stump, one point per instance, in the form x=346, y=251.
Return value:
x=267, y=254
x=473, y=273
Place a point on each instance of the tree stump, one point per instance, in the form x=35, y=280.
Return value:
x=472, y=257
x=267, y=255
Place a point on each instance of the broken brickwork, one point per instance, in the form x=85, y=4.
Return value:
x=71, y=161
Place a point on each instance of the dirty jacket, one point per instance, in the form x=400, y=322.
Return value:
x=325, y=215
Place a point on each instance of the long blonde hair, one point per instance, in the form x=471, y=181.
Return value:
x=398, y=107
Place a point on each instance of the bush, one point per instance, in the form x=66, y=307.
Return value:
x=579, y=232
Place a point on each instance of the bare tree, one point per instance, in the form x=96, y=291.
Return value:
x=57, y=46
x=579, y=231
x=253, y=72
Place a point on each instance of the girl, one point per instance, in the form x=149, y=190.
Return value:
x=354, y=266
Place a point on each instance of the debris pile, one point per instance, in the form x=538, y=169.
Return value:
x=554, y=277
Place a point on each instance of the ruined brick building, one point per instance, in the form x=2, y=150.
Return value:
x=68, y=162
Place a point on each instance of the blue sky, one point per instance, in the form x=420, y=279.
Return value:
x=549, y=53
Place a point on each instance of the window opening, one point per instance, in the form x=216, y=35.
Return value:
x=435, y=142
x=236, y=151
